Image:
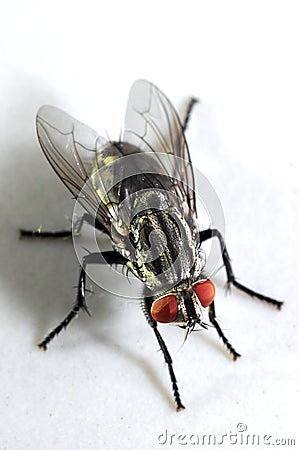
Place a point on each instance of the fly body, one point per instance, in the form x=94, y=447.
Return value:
x=146, y=222
x=140, y=192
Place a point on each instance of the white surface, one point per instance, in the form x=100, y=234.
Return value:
x=103, y=384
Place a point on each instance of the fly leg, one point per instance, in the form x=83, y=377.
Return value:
x=146, y=306
x=192, y=102
x=210, y=233
x=109, y=257
x=85, y=218
x=90, y=220
x=45, y=234
x=213, y=320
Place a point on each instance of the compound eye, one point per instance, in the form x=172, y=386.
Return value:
x=165, y=309
x=205, y=291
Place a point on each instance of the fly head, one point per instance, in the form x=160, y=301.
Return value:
x=183, y=305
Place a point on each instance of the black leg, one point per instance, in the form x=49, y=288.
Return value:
x=192, y=102
x=45, y=234
x=213, y=320
x=146, y=306
x=94, y=222
x=64, y=233
x=208, y=234
x=93, y=258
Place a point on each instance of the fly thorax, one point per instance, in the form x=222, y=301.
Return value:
x=164, y=251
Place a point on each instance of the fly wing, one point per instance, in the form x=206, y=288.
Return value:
x=153, y=125
x=71, y=148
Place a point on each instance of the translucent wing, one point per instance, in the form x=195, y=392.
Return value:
x=71, y=149
x=153, y=125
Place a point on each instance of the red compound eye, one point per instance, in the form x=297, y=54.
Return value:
x=205, y=291
x=165, y=309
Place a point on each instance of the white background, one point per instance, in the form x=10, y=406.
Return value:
x=103, y=384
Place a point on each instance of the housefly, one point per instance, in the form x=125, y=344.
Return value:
x=140, y=192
